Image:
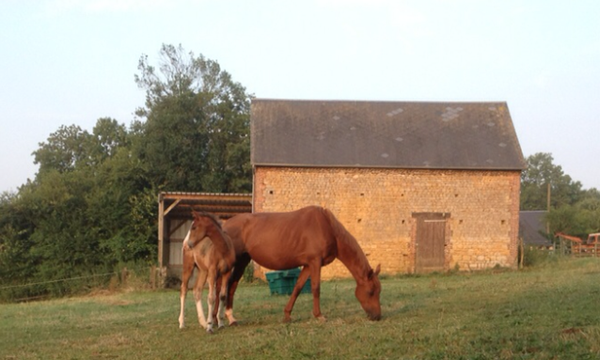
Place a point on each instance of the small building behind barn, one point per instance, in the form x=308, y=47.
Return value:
x=533, y=229
x=423, y=186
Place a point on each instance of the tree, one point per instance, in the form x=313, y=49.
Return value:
x=534, y=184
x=92, y=204
x=63, y=150
x=195, y=136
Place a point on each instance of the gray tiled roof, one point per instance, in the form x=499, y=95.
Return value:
x=434, y=135
x=532, y=227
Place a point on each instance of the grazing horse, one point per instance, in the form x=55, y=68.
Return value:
x=209, y=249
x=310, y=237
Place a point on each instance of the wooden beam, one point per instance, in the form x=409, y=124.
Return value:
x=161, y=231
x=171, y=207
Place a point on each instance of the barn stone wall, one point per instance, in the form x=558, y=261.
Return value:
x=377, y=207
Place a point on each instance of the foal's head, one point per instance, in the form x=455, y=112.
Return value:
x=200, y=226
x=367, y=292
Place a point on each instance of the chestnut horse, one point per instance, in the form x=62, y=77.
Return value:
x=209, y=249
x=310, y=237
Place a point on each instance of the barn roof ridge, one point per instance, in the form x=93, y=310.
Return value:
x=382, y=101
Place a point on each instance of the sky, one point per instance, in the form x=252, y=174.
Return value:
x=71, y=62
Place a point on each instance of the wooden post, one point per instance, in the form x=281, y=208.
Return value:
x=124, y=275
x=161, y=230
x=522, y=246
x=548, y=208
x=153, y=277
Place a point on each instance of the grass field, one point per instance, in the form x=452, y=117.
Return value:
x=550, y=312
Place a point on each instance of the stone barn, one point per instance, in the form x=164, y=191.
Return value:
x=423, y=186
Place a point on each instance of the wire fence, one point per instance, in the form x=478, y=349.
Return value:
x=52, y=288
x=56, y=281
x=153, y=277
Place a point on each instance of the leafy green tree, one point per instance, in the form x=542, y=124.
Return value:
x=195, y=136
x=64, y=150
x=572, y=210
x=92, y=204
x=540, y=172
x=15, y=229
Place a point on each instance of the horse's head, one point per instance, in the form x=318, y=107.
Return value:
x=199, y=228
x=367, y=292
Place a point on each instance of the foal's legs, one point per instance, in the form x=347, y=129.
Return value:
x=182, y=294
x=212, y=297
x=188, y=269
x=198, y=289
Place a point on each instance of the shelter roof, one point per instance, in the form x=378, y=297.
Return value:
x=434, y=135
x=179, y=205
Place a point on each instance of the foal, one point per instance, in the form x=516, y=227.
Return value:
x=209, y=249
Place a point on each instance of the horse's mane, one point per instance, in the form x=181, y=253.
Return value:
x=215, y=219
x=349, y=244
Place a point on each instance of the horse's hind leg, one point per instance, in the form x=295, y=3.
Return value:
x=238, y=270
x=198, y=288
x=222, y=298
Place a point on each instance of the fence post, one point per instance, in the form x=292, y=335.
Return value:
x=124, y=274
x=522, y=257
x=153, y=277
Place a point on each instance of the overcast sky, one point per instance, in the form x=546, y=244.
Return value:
x=70, y=62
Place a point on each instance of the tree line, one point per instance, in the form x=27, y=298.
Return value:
x=92, y=206
x=571, y=209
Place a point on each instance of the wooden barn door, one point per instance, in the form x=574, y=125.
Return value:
x=430, y=242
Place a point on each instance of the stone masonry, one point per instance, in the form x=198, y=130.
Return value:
x=377, y=207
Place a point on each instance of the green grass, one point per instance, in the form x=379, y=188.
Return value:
x=550, y=312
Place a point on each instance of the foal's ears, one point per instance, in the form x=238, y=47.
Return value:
x=376, y=272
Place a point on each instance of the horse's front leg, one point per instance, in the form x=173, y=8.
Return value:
x=315, y=287
x=212, y=297
x=182, y=293
x=188, y=269
x=198, y=289
x=302, y=278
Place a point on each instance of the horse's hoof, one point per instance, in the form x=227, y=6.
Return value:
x=287, y=320
x=322, y=319
x=210, y=331
x=235, y=323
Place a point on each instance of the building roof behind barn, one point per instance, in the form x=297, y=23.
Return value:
x=433, y=135
x=532, y=228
